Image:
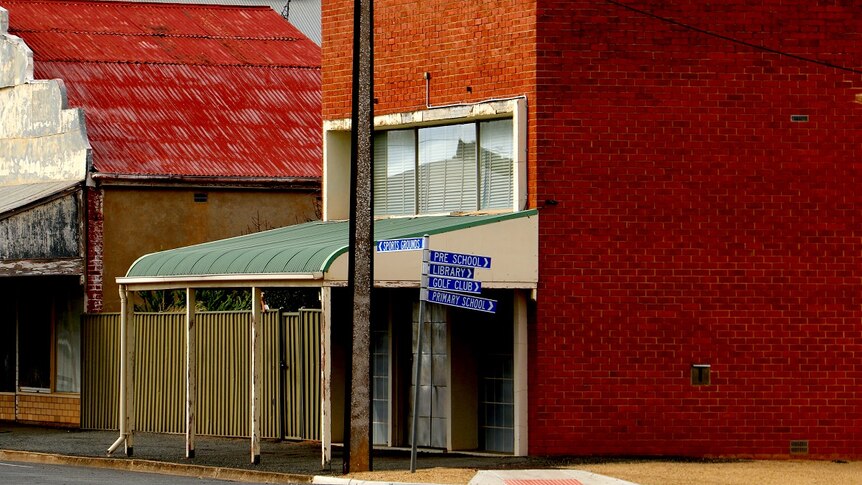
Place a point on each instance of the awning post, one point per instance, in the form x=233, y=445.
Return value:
x=191, y=370
x=122, y=389
x=127, y=371
x=326, y=378
x=256, y=374
x=131, y=335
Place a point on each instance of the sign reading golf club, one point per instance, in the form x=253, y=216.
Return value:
x=454, y=284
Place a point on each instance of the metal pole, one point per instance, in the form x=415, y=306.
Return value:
x=423, y=295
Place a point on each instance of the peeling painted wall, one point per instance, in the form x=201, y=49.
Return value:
x=17, y=65
x=40, y=139
x=47, y=231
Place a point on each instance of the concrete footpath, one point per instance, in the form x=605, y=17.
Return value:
x=281, y=461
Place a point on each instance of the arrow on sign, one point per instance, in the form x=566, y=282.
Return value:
x=450, y=271
x=455, y=284
x=461, y=301
x=460, y=259
x=406, y=244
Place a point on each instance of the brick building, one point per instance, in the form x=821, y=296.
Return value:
x=695, y=167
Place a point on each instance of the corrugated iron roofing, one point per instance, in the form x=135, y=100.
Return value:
x=187, y=90
x=303, y=14
x=16, y=196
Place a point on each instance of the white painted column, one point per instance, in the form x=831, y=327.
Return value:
x=191, y=371
x=256, y=371
x=124, y=322
x=326, y=377
x=520, y=378
x=131, y=334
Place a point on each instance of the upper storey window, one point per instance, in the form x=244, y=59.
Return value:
x=439, y=169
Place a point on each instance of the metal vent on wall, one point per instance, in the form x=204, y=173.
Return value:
x=799, y=447
x=201, y=197
x=700, y=374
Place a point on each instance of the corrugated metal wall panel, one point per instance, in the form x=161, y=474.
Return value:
x=302, y=379
x=222, y=373
x=311, y=381
x=292, y=390
x=160, y=386
x=271, y=395
x=223, y=385
x=100, y=375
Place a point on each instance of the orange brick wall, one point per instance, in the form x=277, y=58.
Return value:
x=52, y=409
x=7, y=407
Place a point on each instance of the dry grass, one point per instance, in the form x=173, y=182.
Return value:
x=454, y=476
x=648, y=472
x=733, y=473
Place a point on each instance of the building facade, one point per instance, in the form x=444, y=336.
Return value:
x=694, y=167
x=185, y=124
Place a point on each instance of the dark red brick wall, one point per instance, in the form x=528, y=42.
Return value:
x=95, y=246
x=697, y=224
x=486, y=46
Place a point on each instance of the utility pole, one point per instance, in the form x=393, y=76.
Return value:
x=357, y=446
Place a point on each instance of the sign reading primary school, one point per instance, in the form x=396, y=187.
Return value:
x=462, y=301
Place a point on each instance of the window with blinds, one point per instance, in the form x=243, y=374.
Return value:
x=439, y=169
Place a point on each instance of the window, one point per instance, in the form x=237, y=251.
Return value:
x=67, y=354
x=462, y=167
x=34, y=342
x=40, y=335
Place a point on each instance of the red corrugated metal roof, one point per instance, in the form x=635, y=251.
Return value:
x=199, y=90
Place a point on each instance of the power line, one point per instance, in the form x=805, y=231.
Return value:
x=732, y=39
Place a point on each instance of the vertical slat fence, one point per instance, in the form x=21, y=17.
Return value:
x=222, y=372
x=302, y=375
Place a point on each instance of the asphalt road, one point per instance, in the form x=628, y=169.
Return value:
x=31, y=473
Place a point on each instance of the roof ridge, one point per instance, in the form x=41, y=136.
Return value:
x=201, y=64
x=157, y=5
x=13, y=30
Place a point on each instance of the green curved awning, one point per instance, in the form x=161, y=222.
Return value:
x=303, y=249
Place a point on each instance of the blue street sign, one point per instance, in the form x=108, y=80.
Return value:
x=460, y=259
x=450, y=271
x=455, y=284
x=462, y=301
x=406, y=244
